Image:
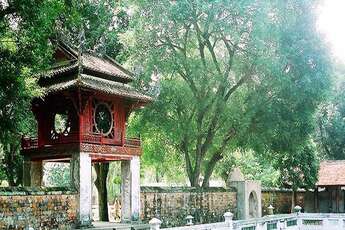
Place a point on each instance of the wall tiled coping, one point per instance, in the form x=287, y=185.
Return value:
x=24, y=191
x=184, y=189
x=268, y=189
x=163, y=189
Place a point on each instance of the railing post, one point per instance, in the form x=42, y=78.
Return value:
x=326, y=224
x=228, y=220
x=261, y=226
x=155, y=224
x=189, y=219
x=297, y=209
x=281, y=224
x=270, y=210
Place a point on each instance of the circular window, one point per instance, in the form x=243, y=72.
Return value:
x=103, y=118
x=61, y=123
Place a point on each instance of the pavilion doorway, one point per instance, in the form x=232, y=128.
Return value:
x=113, y=184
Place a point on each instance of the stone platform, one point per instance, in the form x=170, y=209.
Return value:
x=118, y=226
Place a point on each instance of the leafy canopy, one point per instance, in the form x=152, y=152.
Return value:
x=331, y=124
x=231, y=74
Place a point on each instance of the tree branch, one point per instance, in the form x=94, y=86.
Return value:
x=237, y=85
x=184, y=149
x=217, y=156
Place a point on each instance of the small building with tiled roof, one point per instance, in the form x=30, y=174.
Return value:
x=329, y=193
x=331, y=173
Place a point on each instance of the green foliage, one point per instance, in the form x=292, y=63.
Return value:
x=58, y=174
x=158, y=156
x=331, y=125
x=94, y=25
x=300, y=168
x=114, y=182
x=232, y=75
x=252, y=166
x=24, y=30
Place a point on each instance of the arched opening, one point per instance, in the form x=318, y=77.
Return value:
x=253, y=205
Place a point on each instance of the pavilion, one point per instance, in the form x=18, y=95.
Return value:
x=82, y=119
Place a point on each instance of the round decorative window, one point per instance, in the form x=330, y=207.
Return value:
x=103, y=118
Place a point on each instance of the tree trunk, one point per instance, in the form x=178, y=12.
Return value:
x=14, y=165
x=293, y=200
x=193, y=174
x=209, y=169
x=157, y=175
x=102, y=170
x=194, y=181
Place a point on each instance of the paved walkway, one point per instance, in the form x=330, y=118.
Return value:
x=118, y=226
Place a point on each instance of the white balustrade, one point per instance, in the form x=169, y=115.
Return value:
x=294, y=221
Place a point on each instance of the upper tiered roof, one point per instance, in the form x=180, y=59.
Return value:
x=90, y=72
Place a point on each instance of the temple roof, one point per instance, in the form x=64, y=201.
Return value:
x=101, y=85
x=90, y=72
x=331, y=173
x=101, y=66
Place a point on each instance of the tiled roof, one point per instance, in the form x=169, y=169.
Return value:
x=100, y=74
x=105, y=65
x=71, y=65
x=101, y=85
x=90, y=62
x=332, y=173
x=94, y=64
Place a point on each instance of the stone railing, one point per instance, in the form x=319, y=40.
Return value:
x=295, y=221
x=226, y=225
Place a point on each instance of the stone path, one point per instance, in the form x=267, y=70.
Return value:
x=118, y=226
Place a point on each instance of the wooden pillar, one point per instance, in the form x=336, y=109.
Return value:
x=343, y=199
x=337, y=199
x=330, y=201
x=316, y=199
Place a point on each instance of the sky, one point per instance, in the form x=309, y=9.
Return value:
x=331, y=23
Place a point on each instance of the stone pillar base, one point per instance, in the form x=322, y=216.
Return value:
x=130, y=188
x=33, y=173
x=81, y=180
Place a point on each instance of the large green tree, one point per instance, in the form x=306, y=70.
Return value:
x=232, y=74
x=24, y=30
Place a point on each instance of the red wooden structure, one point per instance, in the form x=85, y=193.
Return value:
x=85, y=106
